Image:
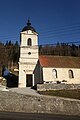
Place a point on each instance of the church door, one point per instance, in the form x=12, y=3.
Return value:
x=28, y=80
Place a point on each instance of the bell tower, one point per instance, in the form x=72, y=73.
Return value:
x=28, y=55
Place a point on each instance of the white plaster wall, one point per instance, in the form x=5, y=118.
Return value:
x=25, y=36
x=22, y=77
x=28, y=67
x=24, y=53
x=62, y=75
x=27, y=63
x=23, y=70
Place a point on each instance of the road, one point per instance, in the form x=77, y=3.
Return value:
x=27, y=116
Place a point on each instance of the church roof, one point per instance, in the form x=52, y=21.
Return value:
x=59, y=61
x=28, y=27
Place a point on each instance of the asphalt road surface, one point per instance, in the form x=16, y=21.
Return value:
x=27, y=116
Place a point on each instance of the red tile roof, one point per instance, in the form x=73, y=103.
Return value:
x=59, y=61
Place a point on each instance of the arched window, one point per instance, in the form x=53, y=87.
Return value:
x=54, y=73
x=29, y=42
x=71, y=74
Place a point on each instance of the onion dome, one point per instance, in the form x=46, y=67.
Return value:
x=28, y=27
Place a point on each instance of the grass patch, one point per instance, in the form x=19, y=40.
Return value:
x=75, y=94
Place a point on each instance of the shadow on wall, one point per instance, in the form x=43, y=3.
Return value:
x=12, y=80
x=38, y=74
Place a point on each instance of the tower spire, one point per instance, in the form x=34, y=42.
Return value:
x=28, y=23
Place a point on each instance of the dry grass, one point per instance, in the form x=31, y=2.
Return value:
x=75, y=94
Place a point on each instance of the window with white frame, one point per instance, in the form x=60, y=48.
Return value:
x=54, y=73
x=29, y=42
x=71, y=75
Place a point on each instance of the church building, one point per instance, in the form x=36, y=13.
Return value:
x=29, y=72
x=35, y=69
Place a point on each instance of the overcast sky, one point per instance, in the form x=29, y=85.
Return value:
x=54, y=20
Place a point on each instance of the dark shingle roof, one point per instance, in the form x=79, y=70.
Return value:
x=59, y=61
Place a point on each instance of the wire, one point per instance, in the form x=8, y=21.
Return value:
x=54, y=32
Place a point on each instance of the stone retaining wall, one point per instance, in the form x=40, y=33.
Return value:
x=44, y=87
x=10, y=101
